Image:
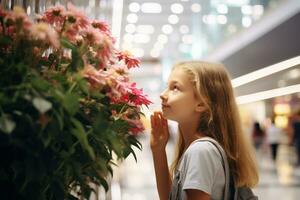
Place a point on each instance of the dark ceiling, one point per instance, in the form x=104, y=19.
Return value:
x=281, y=43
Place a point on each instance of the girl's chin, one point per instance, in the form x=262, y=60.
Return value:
x=166, y=115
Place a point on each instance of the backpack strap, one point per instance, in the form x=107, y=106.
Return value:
x=225, y=164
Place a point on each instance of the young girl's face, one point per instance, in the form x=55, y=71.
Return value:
x=179, y=101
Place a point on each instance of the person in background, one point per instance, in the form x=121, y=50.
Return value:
x=273, y=138
x=296, y=134
x=258, y=135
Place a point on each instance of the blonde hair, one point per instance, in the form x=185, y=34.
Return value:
x=220, y=120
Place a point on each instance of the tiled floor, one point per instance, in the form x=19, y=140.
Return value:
x=278, y=180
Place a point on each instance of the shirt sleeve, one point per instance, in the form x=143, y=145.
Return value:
x=202, y=161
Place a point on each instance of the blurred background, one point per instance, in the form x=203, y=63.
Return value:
x=257, y=40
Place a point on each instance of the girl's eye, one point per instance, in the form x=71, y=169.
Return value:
x=175, y=87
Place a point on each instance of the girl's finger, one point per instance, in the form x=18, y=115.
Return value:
x=158, y=120
x=151, y=120
x=155, y=120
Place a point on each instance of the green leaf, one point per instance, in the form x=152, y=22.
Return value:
x=79, y=132
x=104, y=184
x=65, y=43
x=41, y=104
x=71, y=103
x=6, y=124
x=135, y=142
x=40, y=84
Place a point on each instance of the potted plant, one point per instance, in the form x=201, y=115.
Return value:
x=66, y=104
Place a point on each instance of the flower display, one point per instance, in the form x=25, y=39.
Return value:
x=67, y=105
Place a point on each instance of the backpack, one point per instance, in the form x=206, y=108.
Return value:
x=239, y=193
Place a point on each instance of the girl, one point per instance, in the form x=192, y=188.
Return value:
x=199, y=96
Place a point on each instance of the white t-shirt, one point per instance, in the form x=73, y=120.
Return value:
x=273, y=134
x=199, y=168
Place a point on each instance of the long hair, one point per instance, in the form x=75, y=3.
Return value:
x=220, y=120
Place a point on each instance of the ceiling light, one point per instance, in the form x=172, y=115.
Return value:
x=167, y=29
x=222, y=19
x=173, y=19
x=132, y=18
x=237, y=3
x=134, y=7
x=184, y=29
x=92, y=3
x=259, y=96
x=151, y=8
x=128, y=37
x=141, y=38
x=162, y=38
x=117, y=20
x=127, y=46
x=232, y=28
x=154, y=53
x=246, y=9
x=145, y=29
x=258, y=10
x=294, y=73
x=266, y=71
x=196, y=7
x=246, y=21
x=138, y=52
x=130, y=28
x=28, y=11
x=209, y=19
x=176, y=8
x=184, y=48
x=222, y=9
x=158, y=46
x=187, y=39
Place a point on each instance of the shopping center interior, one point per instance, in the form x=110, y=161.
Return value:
x=257, y=41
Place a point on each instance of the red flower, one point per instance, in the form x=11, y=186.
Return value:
x=54, y=15
x=137, y=97
x=101, y=25
x=129, y=60
x=76, y=16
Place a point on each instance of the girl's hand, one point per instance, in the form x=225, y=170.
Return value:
x=159, y=132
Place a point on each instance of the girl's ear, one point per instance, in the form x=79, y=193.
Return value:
x=200, y=107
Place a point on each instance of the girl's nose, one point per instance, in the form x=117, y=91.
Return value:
x=163, y=96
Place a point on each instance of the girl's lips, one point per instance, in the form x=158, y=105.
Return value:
x=164, y=106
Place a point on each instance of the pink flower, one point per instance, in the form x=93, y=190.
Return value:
x=136, y=126
x=92, y=35
x=44, y=32
x=102, y=26
x=71, y=32
x=104, y=49
x=129, y=60
x=54, y=15
x=137, y=97
x=76, y=16
x=96, y=79
x=3, y=13
x=18, y=21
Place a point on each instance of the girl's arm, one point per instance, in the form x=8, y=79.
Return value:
x=196, y=195
x=158, y=142
x=163, y=180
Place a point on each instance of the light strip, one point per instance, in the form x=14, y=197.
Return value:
x=117, y=20
x=268, y=94
x=284, y=11
x=266, y=71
